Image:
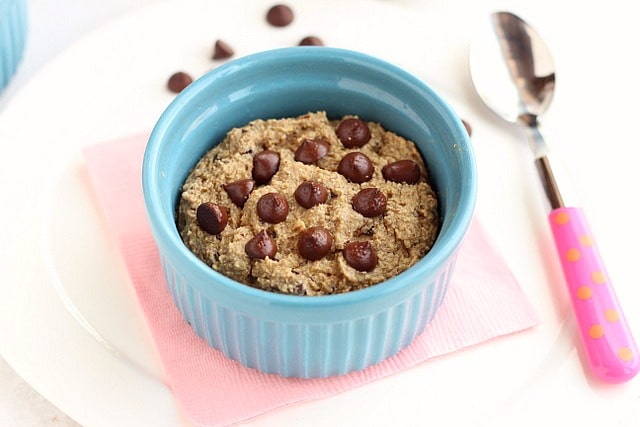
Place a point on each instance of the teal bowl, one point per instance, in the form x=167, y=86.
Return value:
x=13, y=34
x=305, y=336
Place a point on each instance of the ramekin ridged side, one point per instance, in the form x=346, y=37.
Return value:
x=303, y=350
x=13, y=35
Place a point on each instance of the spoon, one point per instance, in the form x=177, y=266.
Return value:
x=514, y=74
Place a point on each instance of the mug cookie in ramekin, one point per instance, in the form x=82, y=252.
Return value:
x=320, y=335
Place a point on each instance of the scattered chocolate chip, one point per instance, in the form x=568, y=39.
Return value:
x=353, y=132
x=310, y=193
x=467, y=126
x=238, y=191
x=273, y=208
x=311, y=150
x=221, y=50
x=311, y=41
x=356, y=167
x=265, y=165
x=261, y=246
x=402, y=171
x=360, y=255
x=314, y=243
x=212, y=218
x=369, y=202
x=280, y=15
x=178, y=81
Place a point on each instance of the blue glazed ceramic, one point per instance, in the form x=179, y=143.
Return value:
x=292, y=335
x=13, y=33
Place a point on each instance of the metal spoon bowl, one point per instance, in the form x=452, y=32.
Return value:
x=513, y=72
x=514, y=52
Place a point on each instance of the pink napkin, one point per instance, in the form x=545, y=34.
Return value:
x=483, y=302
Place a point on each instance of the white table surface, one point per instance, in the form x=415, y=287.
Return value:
x=53, y=26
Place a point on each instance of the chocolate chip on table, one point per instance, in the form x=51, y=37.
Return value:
x=311, y=41
x=211, y=217
x=311, y=193
x=353, y=132
x=356, y=167
x=265, y=165
x=261, y=246
x=314, y=243
x=360, y=255
x=221, y=50
x=467, y=126
x=402, y=171
x=311, y=150
x=178, y=81
x=369, y=202
x=239, y=191
x=273, y=208
x=280, y=15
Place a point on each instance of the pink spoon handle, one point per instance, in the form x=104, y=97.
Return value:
x=610, y=347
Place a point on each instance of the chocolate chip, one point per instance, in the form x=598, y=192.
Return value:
x=310, y=193
x=314, y=243
x=311, y=41
x=273, y=208
x=467, y=126
x=265, y=165
x=356, y=167
x=211, y=217
x=239, y=191
x=311, y=150
x=221, y=50
x=360, y=255
x=261, y=246
x=402, y=171
x=369, y=202
x=178, y=81
x=353, y=133
x=280, y=15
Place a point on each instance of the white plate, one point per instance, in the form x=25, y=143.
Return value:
x=69, y=323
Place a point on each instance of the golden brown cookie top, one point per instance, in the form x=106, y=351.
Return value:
x=310, y=206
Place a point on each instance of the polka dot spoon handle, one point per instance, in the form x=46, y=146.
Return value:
x=611, y=351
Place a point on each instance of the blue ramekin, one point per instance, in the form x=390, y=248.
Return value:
x=292, y=335
x=13, y=34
